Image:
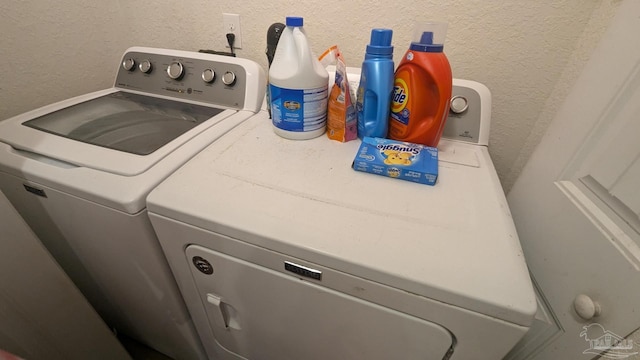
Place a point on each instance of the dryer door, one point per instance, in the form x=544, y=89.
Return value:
x=258, y=313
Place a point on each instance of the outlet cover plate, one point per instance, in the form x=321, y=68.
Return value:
x=231, y=24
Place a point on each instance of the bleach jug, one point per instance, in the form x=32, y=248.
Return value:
x=376, y=86
x=299, y=86
x=422, y=89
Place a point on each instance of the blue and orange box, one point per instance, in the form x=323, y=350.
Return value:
x=399, y=160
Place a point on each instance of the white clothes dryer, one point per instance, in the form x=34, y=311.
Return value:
x=282, y=251
x=79, y=172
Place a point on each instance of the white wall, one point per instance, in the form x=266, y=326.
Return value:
x=527, y=52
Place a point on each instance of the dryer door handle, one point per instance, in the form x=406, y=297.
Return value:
x=216, y=312
x=222, y=313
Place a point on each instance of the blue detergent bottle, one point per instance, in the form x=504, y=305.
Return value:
x=376, y=86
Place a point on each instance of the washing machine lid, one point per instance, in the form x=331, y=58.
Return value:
x=115, y=131
x=132, y=123
x=454, y=242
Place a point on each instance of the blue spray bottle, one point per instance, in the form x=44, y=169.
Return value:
x=376, y=86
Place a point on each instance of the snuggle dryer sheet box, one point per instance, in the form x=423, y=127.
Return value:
x=400, y=160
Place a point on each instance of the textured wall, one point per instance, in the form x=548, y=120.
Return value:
x=527, y=52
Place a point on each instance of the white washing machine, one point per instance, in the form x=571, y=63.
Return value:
x=79, y=172
x=282, y=251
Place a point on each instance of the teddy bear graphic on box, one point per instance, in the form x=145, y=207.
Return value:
x=395, y=157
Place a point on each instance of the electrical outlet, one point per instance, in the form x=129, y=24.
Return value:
x=231, y=24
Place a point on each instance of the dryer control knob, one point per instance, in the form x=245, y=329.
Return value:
x=128, y=64
x=459, y=104
x=585, y=307
x=229, y=78
x=175, y=70
x=145, y=66
x=208, y=75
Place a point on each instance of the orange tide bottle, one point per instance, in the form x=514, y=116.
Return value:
x=422, y=89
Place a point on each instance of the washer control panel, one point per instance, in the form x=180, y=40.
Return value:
x=213, y=79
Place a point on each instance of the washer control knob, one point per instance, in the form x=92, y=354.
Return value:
x=585, y=307
x=459, y=104
x=229, y=78
x=208, y=75
x=145, y=66
x=128, y=64
x=175, y=70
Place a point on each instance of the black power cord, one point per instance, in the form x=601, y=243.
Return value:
x=231, y=39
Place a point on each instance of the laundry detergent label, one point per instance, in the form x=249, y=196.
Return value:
x=399, y=110
x=299, y=109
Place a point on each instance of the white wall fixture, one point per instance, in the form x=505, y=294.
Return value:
x=231, y=24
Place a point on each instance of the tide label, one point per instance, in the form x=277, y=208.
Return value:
x=399, y=101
